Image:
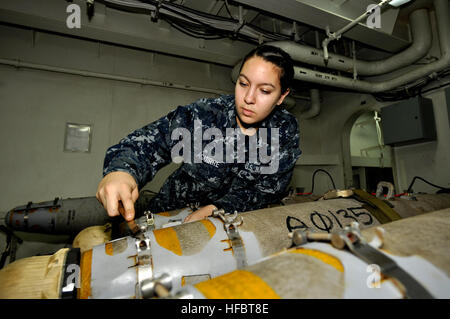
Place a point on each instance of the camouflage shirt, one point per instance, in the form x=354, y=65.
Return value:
x=209, y=174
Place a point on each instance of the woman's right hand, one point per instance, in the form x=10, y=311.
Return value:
x=117, y=192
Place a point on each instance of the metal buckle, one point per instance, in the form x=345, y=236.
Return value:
x=231, y=224
x=144, y=266
x=351, y=238
x=148, y=286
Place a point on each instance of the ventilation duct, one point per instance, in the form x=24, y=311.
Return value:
x=421, y=34
x=442, y=14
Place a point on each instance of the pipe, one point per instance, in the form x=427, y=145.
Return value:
x=314, y=109
x=337, y=35
x=289, y=103
x=422, y=38
x=421, y=35
x=42, y=67
x=442, y=14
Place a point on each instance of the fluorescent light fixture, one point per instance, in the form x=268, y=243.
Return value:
x=398, y=3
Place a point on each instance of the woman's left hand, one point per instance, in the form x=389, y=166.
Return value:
x=200, y=213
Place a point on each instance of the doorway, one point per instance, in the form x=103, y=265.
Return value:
x=369, y=161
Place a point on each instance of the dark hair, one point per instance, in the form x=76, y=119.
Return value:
x=278, y=57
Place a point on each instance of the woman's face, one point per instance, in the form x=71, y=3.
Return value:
x=258, y=90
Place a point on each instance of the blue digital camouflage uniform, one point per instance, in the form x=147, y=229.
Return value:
x=233, y=186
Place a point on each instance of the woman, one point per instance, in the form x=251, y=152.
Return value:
x=236, y=184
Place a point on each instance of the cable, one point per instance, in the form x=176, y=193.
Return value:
x=435, y=88
x=413, y=89
x=228, y=9
x=232, y=27
x=314, y=175
x=418, y=177
x=197, y=24
x=180, y=8
x=191, y=32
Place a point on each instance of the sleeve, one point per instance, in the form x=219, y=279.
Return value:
x=247, y=193
x=146, y=150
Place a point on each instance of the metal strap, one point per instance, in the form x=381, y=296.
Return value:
x=336, y=193
x=377, y=207
x=351, y=238
x=231, y=223
x=69, y=289
x=31, y=205
x=238, y=247
x=144, y=266
x=359, y=247
x=412, y=288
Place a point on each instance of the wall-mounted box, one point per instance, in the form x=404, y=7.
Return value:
x=408, y=122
